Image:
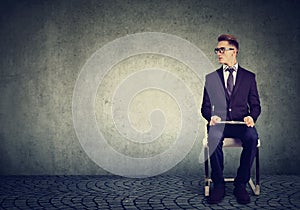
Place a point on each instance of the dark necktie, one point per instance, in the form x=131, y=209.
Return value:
x=230, y=81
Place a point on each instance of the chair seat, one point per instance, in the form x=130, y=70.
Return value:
x=230, y=142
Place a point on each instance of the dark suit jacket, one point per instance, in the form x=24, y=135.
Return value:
x=244, y=100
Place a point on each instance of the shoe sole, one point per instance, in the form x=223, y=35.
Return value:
x=241, y=201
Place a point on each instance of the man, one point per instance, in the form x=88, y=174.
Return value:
x=230, y=94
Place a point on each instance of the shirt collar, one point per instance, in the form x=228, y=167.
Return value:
x=235, y=66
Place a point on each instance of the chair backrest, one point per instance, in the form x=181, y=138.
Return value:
x=232, y=142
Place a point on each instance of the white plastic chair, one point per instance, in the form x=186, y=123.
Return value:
x=230, y=142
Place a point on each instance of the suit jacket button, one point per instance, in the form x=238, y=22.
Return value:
x=229, y=109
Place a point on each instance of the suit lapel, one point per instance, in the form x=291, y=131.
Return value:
x=221, y=75
x=239, y=79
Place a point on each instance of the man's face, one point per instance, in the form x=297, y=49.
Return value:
x=228, y=57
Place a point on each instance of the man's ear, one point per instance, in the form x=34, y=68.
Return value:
x=236, y=52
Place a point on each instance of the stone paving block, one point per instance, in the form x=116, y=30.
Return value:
x=130, y=208
x=161, y=192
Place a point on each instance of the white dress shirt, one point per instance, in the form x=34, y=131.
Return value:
x=226, y=73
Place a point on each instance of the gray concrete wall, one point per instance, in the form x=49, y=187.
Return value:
x=45, y=44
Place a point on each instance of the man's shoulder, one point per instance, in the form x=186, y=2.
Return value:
x=214, y=73
x=245, y=71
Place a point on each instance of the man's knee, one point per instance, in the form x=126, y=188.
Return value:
x=215, y=139
x=251, y=137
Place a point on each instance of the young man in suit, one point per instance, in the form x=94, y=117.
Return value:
x=230, y=94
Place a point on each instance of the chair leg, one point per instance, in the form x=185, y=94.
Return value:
x=257, y=175
x=206, y=180
x=256, y=187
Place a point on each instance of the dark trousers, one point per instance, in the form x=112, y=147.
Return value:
x=249, y=138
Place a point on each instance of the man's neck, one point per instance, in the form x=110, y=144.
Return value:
x=235, y=66
x=231, y=64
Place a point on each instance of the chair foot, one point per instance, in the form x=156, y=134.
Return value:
x=206, y=191
x=255, y=188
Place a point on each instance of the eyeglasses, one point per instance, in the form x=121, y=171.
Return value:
x=222, y=50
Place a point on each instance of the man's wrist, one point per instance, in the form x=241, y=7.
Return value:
x=214, y=116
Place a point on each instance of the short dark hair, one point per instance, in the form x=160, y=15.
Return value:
x=232, y=40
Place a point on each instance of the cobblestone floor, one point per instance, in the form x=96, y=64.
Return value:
x=113, y=192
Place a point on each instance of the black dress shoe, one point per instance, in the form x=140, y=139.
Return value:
x=216, y=195
x=241, y=194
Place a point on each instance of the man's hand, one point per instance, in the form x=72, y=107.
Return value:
x=214, y=120
x=249, y=121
